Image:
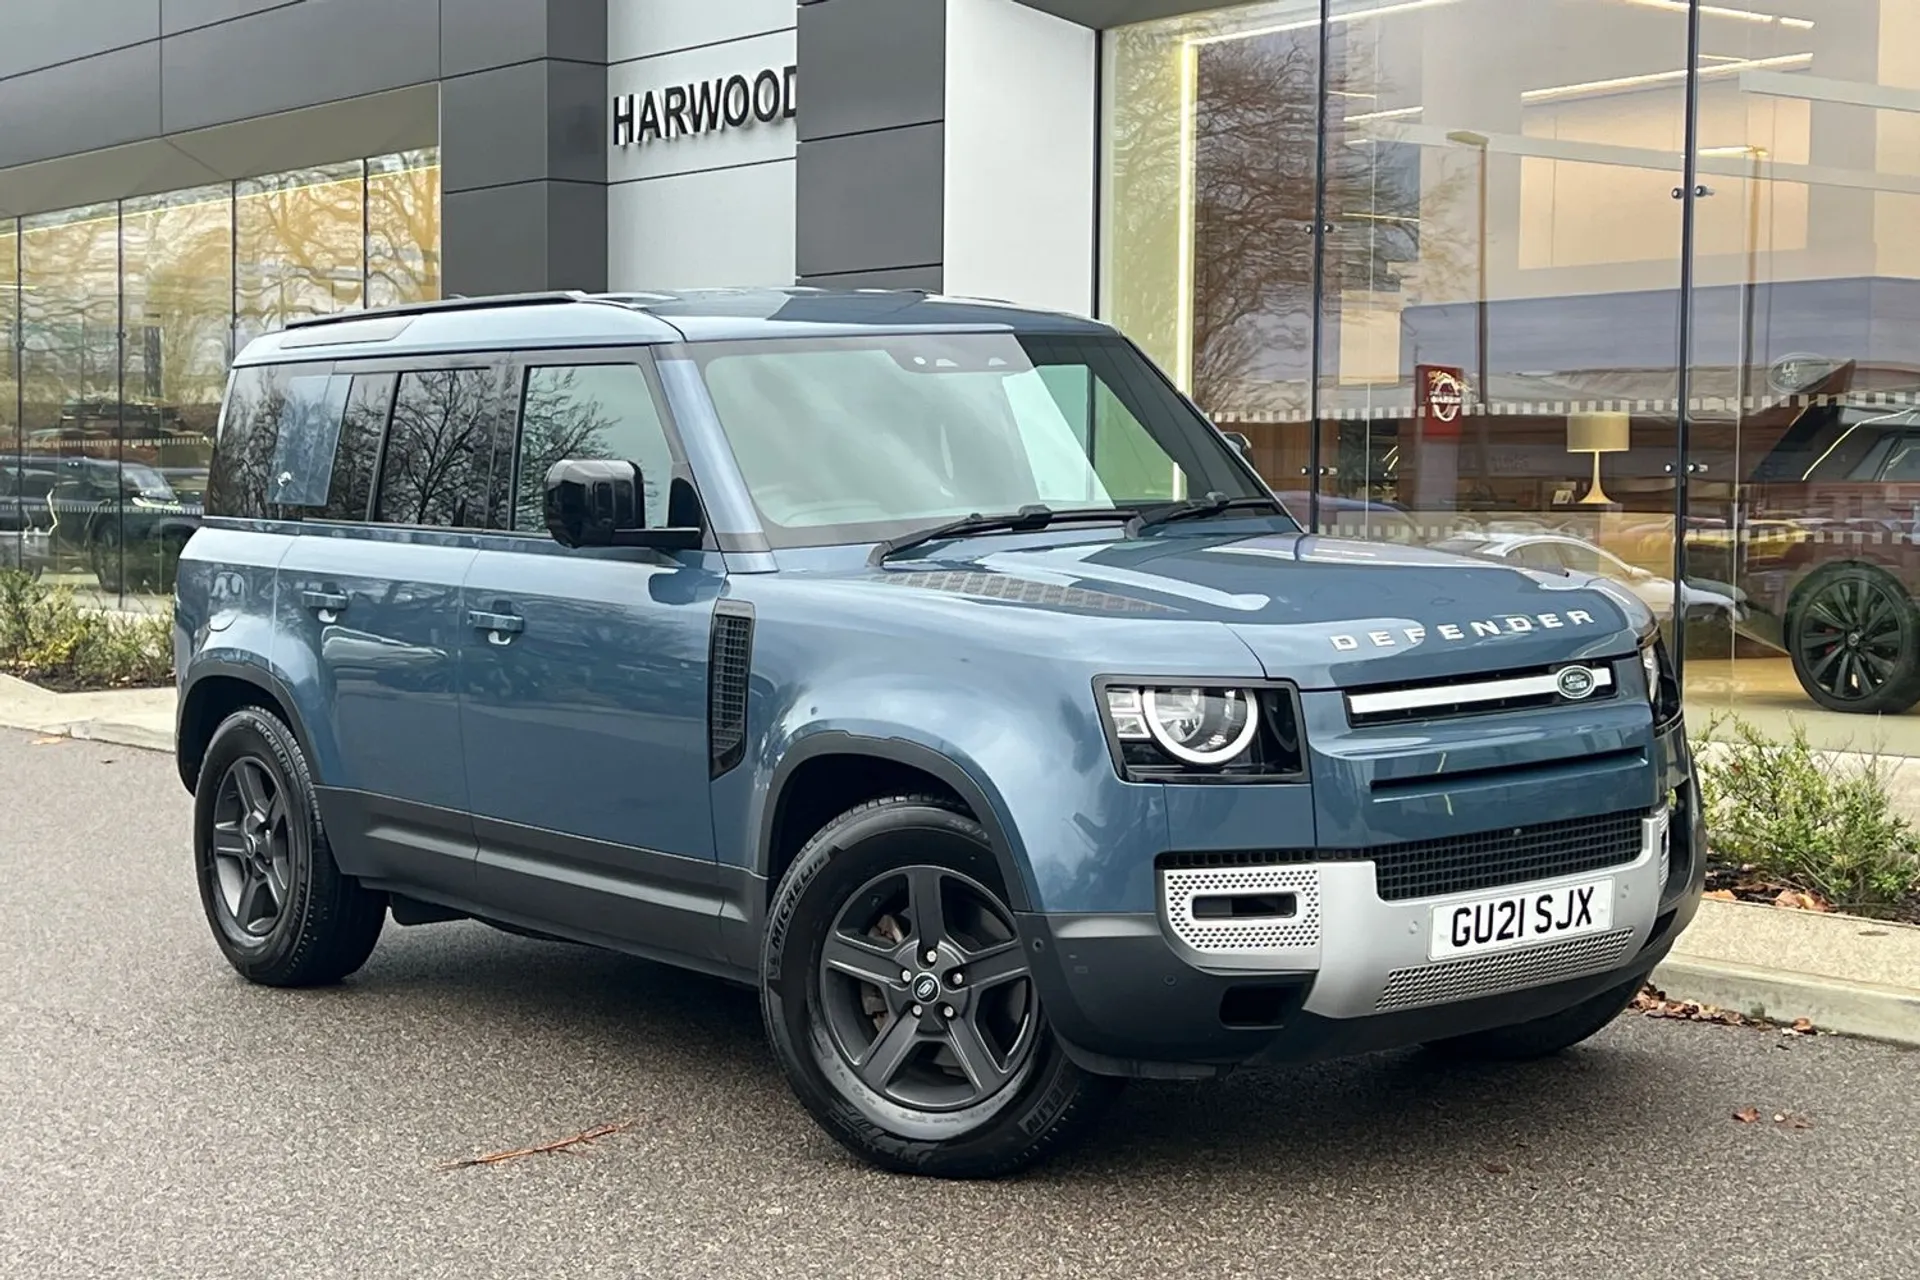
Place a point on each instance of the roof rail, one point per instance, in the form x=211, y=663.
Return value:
x=455, y=303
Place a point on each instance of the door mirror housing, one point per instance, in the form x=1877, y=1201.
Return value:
x=597, y=502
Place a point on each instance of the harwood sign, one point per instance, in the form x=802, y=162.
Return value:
x=706, y=106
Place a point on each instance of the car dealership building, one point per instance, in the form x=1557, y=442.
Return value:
x=1554, y=279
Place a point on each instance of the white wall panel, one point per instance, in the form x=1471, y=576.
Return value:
x=640, y=28
x=751, y=143
x=724, y=227
x=1021, y=121
x=713, y=208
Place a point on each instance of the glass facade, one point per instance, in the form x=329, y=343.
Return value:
x=122, y=319
x=1432, y=259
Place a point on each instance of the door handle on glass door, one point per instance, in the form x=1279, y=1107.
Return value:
x=329, y=605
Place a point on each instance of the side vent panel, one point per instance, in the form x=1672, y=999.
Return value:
x=729, y=660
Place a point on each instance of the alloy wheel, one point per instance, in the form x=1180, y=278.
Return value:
x=252, y=850
x=1851, y=636
x=925, y=991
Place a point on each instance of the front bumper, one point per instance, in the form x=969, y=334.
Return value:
x=1149, y=995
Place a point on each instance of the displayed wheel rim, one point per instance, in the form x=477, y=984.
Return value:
x=252, y=852
x=1851, y=638
x=925, y=990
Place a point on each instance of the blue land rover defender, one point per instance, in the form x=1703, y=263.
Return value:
x=933, y=666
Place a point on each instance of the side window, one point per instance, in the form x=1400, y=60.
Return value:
x=261, y=400
x=589, y=411
x=306, y=432
x=358, y=455
x=439, y=450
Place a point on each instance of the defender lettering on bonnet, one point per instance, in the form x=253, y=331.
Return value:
x=1506, y=625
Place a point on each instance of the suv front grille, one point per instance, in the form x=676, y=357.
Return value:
x=1463, y=864
x=1492, y=693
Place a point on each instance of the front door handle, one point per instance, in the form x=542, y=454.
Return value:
x=500, y=627
x=328, y=604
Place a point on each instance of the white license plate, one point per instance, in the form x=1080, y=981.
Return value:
x=1517, y=919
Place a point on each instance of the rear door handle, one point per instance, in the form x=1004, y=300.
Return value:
x=498, y=626
x=328, y=604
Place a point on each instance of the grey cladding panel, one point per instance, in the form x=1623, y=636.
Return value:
x=298, y=56
x=928, y=278
x=1117, y=13
x=871, y=201
x=871, y=64
x=478, y=35
x=185, y=15
x=40, y=33
x=494, y=127
x=525, y=237
x=100, y=102
x=494, y=241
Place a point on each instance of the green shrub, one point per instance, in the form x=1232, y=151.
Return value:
x=48, y=638
x=1806, y=819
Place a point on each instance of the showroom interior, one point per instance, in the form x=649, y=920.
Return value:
x=1628, y=286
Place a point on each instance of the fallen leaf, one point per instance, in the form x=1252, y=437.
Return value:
x=1802, y=1027
x=1793, y=1122
x=1721, y=895
x=1495, y=1166
x=45, y=742
x=1747, y=1115
x=1800, y=901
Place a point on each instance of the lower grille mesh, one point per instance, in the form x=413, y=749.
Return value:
x=1503, y=971
x=1491, y=859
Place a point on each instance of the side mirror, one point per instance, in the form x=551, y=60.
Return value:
x=1240, y=442
x=595, y=502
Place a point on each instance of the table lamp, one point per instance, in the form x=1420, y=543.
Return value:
x=1598, y=433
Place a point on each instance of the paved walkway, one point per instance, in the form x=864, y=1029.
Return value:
x=1848, y=975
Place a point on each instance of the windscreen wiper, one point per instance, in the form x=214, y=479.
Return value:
x=1193, y=509
x=1027, y=519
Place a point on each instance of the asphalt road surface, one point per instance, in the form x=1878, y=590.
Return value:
x=158, y=1117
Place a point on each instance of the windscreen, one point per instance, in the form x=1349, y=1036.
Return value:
x=857, y=439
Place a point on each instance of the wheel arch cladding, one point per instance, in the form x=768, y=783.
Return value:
x=826, y=774
x=216, y=693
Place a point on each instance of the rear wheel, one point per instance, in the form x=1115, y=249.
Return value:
x=1855, y=642
x=1542, y=1037
x=281, y=911
x=899, y=1001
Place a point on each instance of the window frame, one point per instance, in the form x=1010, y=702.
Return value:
x=519, y=366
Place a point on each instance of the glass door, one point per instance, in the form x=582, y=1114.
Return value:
x=1499, y=314
x=1209, y=201
x=1803, y=505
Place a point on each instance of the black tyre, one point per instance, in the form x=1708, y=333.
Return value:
x=280, y=909
x=899, y=1002
x=1855, y=642
x=1543, y=1037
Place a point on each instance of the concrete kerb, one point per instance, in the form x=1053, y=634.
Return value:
x=126, y=717
x=1844, y=973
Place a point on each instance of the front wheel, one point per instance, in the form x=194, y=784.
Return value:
x=1855, y=641
x=899, y=1001
x=281, y=910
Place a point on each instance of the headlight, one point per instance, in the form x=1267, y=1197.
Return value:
x=1663, y=690
x=1197, y=732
